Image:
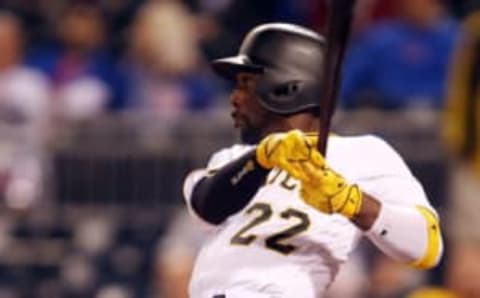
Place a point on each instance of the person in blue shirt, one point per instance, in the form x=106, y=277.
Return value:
x=78, y=57
x=401, y=62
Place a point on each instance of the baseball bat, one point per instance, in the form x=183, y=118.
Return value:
x=339, y=23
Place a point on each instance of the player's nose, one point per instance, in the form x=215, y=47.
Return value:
x=235, y=97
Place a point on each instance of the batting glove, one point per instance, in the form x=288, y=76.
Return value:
x=328, y=191
x=286, y=151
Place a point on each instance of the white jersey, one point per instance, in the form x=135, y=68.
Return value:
x=278, y=246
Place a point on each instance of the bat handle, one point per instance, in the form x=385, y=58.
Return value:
x=338, y=30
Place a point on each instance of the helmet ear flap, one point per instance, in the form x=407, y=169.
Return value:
x=280, y=95
x=283, y=96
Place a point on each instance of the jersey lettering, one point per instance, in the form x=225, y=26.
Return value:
x=285, y=181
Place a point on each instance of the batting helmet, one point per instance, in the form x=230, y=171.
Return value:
x=289, y=60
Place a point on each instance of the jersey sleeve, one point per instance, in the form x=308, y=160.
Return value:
x=389, y=179
x=217, y=161
x=407, y=227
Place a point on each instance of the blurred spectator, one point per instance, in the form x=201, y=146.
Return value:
x=33, y=15
x=391, y=279
x=235, y=17
x=462, y=131
x=85, y=77
x=176, y=255
x=164, y=63
x=402, y=62
x=118, y=15
x=24, y=114
x=41, y=17
x=366, y=13
x=114, y=291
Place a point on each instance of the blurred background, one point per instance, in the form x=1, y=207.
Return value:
x=105, y=105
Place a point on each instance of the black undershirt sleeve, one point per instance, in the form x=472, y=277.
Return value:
x=229, y=189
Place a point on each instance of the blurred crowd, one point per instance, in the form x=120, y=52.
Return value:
x=68, y=63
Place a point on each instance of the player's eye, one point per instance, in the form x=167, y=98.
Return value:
x=246, y=81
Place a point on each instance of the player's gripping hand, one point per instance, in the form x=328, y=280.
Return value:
x=286, y=151
x=328, y=191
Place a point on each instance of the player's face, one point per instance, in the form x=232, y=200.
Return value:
x=248, y=115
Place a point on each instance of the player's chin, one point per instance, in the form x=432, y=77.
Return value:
x=250, y=135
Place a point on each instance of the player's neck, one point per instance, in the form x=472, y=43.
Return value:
x=304, y=121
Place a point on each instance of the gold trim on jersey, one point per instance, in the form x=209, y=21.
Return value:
x=432, y=253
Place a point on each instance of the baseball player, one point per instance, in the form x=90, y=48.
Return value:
x=283, y=218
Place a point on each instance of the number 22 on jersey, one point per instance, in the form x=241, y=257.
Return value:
x=277, y=241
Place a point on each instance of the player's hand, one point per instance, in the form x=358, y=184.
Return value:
x=286, y=151
x=328, y=191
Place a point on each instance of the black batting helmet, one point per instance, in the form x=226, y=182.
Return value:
x=289, y=60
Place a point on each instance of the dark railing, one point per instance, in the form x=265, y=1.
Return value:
x=129, y=161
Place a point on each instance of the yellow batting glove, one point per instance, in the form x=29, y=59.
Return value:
x=328, y=191
x=286, y=151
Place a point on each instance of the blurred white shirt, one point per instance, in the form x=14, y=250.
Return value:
x=24, y=112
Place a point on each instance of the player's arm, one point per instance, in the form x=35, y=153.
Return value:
x=410, y=234
x=396, y=215
x=391, y=207
x=227, y=190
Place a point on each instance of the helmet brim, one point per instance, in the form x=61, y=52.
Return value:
x=229, y=67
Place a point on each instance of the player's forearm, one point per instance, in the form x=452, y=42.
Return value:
x=368, y=213
x=229, y=189
x=408, y=234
